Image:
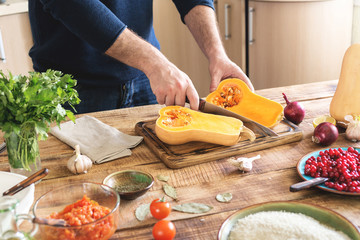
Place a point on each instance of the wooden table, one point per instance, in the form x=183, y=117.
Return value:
x=269, y=180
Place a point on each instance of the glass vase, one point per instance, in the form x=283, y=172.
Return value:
x=23, y=150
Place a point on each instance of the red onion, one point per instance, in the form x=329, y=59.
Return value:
x=294, y=111
x=325, y=134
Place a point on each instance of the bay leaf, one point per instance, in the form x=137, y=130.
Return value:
x=224, y=197
x=170, y=191
x=192, y=208
x=162, y=178
x=142, y=211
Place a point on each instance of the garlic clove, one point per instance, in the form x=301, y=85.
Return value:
x=352, y=132
x=244, y=164
x=349, y=118
x=79, y=163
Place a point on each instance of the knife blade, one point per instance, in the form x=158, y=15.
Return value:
x=208, y=107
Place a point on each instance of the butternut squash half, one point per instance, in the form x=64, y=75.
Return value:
x=178, y=125
x=234, y=95
x=346, y=100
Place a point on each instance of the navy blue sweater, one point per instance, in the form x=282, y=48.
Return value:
x=72, y=35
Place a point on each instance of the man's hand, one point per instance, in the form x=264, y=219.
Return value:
x=223, y=68
x=170, y=85
x=201, y=21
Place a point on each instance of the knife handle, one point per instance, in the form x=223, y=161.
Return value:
x=201, y=104
x=26, y=182
x=2, y=147
x=307, y=184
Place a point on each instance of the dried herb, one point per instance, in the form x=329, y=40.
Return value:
x=162, y=178
x=131, y=187
x=192, y=208
x=141, y=178
x=224, y=197
x=170, y=191
x=142, y=211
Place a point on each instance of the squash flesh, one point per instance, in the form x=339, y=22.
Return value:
x=234, y=95
x=178, y=125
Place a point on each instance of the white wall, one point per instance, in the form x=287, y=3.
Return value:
x=356, y=23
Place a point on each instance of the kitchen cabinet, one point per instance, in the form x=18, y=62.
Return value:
x=16, y=40
x=295, y=42
x=231, y=18
x=178, y=45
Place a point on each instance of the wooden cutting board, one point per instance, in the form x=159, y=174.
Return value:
x=192, y=153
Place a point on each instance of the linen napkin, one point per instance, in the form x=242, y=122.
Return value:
x=97, y=140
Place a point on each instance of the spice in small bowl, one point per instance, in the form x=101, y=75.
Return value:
x=130, y=184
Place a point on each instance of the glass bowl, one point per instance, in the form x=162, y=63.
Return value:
x=130, y=184
x=99, y=223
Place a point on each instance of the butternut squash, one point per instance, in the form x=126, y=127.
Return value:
x=178, y=125
x=346, y=100
x=234, y=95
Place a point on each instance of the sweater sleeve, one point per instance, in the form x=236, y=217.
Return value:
x=184, y=6
x=90, y=20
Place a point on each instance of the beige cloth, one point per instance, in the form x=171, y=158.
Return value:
x=98, y=141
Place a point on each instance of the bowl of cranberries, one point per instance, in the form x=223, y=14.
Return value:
x=340, y=165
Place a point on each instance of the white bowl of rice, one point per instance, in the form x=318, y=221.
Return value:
x=287, y=220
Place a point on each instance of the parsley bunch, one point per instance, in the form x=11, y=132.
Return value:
x=35, y=101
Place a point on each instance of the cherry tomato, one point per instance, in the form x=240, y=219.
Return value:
x=164, y=230
x=160, y=209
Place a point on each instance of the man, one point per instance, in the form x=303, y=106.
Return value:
x=110, y=47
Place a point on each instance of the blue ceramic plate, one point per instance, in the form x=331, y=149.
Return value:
x=301, y=168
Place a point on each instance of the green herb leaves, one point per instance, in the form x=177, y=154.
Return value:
x=36, y=98
x=28, y=105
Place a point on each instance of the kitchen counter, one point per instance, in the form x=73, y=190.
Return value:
x=269, y=180
x=13, y=7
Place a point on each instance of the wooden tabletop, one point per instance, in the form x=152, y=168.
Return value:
x=269, y=179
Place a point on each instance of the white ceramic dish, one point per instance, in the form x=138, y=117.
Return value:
x=25, y=197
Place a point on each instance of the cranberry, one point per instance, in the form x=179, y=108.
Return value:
x=352, y=189
x=342, y=167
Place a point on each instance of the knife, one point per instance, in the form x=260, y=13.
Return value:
x=27, y=182
x=2, y=147
x=308, y=183
x=208, y=107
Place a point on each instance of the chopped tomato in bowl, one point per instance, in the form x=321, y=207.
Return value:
x=92, y=216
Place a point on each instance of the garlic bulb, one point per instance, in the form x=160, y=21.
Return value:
x=243, y=163
x=79, y=163
x=353, y=129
